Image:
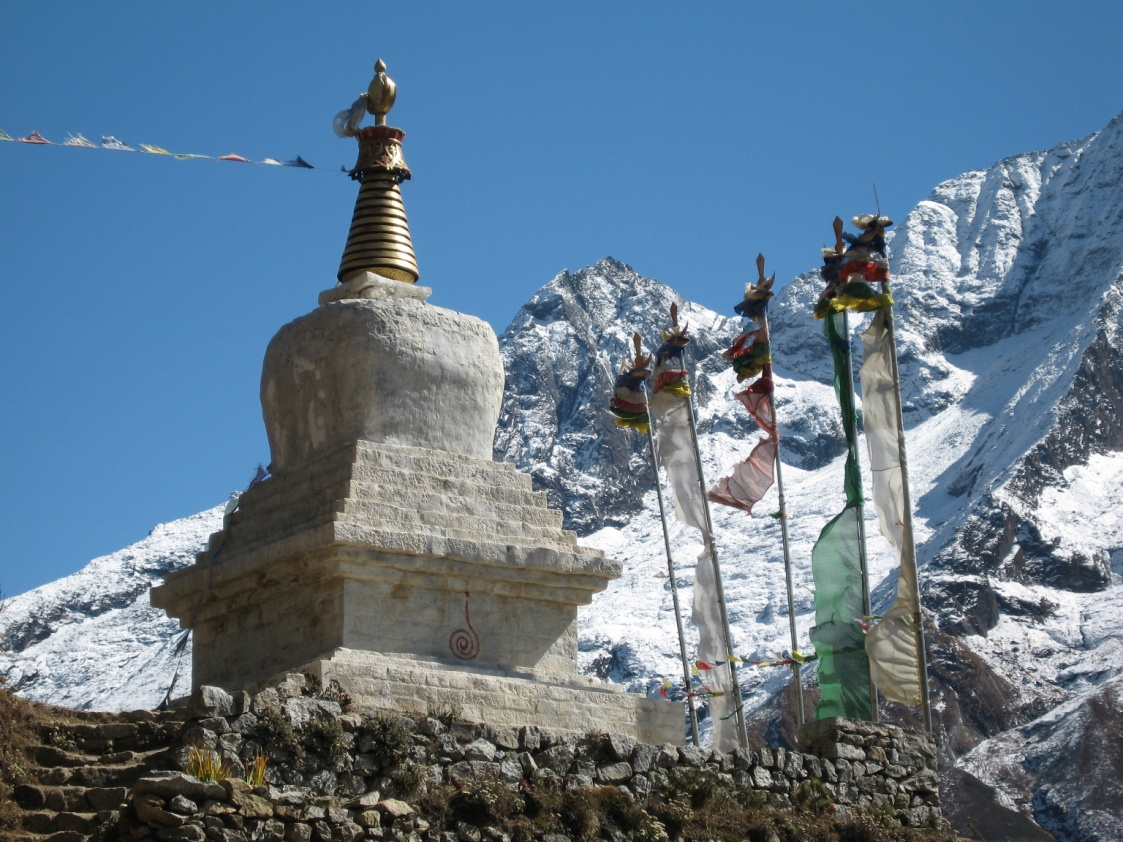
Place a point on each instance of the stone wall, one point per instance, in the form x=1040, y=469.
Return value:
x=339, y=774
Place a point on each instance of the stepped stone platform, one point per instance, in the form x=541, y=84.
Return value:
x=418, y=579
x=82, y=772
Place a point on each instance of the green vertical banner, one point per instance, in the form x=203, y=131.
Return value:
x=844, y=670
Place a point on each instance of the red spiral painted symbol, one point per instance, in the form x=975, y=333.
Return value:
x=465, y=643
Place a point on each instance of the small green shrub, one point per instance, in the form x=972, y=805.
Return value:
x=812, y=794
x=446, y=713
x=327, y=739
x=390, y=740
x=333, y=692
x=18, y=733
x=483, y=801
x=59, y=738
x=274, y=732
x=408, y=778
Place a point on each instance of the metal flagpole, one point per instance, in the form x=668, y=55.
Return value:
x=674, y=592
x=711, y=550
x=767, y=372
x=638, y=373
x=910, y=542
x=800, y=715
x=867, y=606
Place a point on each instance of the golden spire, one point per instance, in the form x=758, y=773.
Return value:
x=379, y=239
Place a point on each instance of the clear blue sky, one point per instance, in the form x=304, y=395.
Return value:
x=140, y=291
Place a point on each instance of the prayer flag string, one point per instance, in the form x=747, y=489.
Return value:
x=114, y=145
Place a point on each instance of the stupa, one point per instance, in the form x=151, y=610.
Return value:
x=387, y=550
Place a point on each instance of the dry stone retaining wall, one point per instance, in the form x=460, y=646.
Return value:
x=331, y=772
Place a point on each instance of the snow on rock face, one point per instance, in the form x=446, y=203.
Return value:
x=1009, y=299
x=91, y=640
x=562, y=353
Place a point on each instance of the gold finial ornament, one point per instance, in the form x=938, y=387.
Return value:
x=381, y=93
x=379, y=240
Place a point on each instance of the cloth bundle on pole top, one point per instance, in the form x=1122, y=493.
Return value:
x=629, y=396
x=849, y=272
x=677, y=445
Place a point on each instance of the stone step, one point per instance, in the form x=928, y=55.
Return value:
x=45, y=822
x=439, y=463
x=452, y=506
x=55, y=757
x=146, y=729
x=277, y=491
x=391, y=484
x=461, y=527
x=69, y=799
x=390, y=481
x=488, y=474
x=500, y=523
x=368, y=461
x=105, y=775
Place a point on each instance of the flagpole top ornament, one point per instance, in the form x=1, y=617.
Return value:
x=762, y=289
x=675, y=334
x=381, y=94
x=642, y=364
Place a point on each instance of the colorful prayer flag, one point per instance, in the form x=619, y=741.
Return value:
x=836, y=568
x=751, y=355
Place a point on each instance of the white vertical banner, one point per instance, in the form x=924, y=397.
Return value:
x=892, y=642
x=711, y=649
x=676, y=455
x=674, y=442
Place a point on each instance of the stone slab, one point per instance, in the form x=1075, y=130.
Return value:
x=514, y=698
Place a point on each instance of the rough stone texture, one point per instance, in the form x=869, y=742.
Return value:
x=860, y=752
x=392, y=370
x=295, y=806
x=569, y=703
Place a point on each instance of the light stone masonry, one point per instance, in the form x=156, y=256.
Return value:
x=387, y=550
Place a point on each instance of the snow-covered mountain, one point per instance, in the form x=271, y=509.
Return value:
x=1009, y=289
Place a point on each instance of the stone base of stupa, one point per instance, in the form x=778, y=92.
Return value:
x=567, y=703
x=419, y=579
